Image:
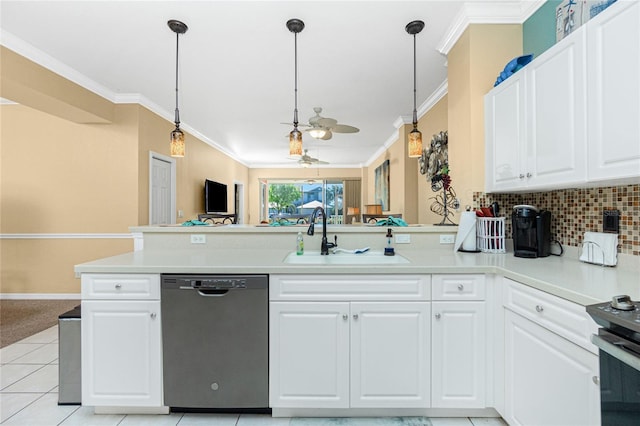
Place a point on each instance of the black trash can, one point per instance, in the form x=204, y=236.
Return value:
x=69, y=361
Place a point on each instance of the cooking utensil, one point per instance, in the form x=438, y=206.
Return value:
x=495, y=208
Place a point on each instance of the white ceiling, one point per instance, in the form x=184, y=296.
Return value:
x=355, y=60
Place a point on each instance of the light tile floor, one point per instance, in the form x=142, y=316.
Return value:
x=29, y=396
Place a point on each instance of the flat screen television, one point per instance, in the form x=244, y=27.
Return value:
x=215, y=197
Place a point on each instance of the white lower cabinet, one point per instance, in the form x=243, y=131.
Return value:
x=458, y=342
x=309, y=354
x=351, y=352
x=549, y=379
x=390, y=349
x=458, y=355
x=121, y=342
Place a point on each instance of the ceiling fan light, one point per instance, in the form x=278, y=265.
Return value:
x=317, y=133
x=177, y=146
x=306, y=164
x=414, y=145
x=295, y=143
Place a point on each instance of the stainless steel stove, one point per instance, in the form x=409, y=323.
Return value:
x=619, y=344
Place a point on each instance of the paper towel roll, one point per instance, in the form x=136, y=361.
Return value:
x=466, y=237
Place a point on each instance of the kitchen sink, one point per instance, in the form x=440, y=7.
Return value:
x=368, y=258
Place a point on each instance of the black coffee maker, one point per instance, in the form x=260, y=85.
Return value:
x=531, y=229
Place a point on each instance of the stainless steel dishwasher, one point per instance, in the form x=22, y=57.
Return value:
x=215, y=338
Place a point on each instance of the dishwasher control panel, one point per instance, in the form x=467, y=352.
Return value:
x=219, y=283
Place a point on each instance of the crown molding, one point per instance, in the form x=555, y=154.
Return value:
x=494, y=12
x=440, y=92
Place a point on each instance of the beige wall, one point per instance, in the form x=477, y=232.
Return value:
x=397, y=156
x=431, y=123
x=61, y=174
x=201, y=161
x=473, y=65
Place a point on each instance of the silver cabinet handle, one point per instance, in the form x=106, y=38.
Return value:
x=437, y=316
x=529, y=175
x=521, y=176
x=460, y=287
x=118, y=286
x=355, y=316
x=153, y=315
x=345, y=317
x=539, y=308
x=596, y=380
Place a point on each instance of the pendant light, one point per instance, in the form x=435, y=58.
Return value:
x=177, y=136
x=295, y=137
x=415, y=137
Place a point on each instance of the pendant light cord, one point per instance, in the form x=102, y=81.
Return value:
x=177, y=116
x=415, y=113
x=295, y=76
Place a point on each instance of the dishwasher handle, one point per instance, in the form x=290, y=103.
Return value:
x=211, y=292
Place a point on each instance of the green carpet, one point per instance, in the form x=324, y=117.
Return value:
x=360, y=421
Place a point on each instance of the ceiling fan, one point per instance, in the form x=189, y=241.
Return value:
x=306, y=160
x=323, y=127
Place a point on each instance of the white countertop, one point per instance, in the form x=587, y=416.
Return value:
x=564, y=276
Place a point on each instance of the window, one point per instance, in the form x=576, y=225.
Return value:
x=294, y=199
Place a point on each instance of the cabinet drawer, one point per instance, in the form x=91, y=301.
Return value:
x=458, y=287
x=120, y=286
x=565, y=318
x=349, y=287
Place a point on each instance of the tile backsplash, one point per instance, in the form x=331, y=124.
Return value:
x=575, y=211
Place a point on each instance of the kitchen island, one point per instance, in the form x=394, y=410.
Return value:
x=452, y=331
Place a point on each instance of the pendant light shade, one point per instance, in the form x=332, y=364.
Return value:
x=177, y=147
x=295, y=143
x=177, y=143
x=295, y=137
x=414, y=144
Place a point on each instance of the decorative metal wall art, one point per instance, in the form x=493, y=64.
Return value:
x=434, y=163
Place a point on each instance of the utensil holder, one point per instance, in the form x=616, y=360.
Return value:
x=490, y=234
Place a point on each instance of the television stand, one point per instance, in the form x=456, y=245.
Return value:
x=218, y=218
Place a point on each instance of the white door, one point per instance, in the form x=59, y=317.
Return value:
x=309, y=354
x=161, y=190
x=556, y=119
x=549, y=380
x=614, y=93
x=458, y=354
x=122, y=353
x=390, y=357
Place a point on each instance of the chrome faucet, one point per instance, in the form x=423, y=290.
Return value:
x=325, y=246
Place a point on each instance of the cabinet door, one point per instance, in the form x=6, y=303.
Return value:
x=614, y=93
x=505, y=134
x=549, y=380
x=309, y=354
x=390, y=356
x=458, y=355
x=121, y=353
x=556, y=117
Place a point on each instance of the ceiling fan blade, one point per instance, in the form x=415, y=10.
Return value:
x=328, y=135
x=299, y=124
x=327, y=122
x=321, y=162
x=343, y=128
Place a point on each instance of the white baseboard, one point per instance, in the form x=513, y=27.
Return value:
x=40, y=296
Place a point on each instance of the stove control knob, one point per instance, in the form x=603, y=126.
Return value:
x=622, y=302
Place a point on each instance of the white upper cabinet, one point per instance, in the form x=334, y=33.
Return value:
x=504, y=127
x=556, y=136
x=614, y=93
x=571, y=117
